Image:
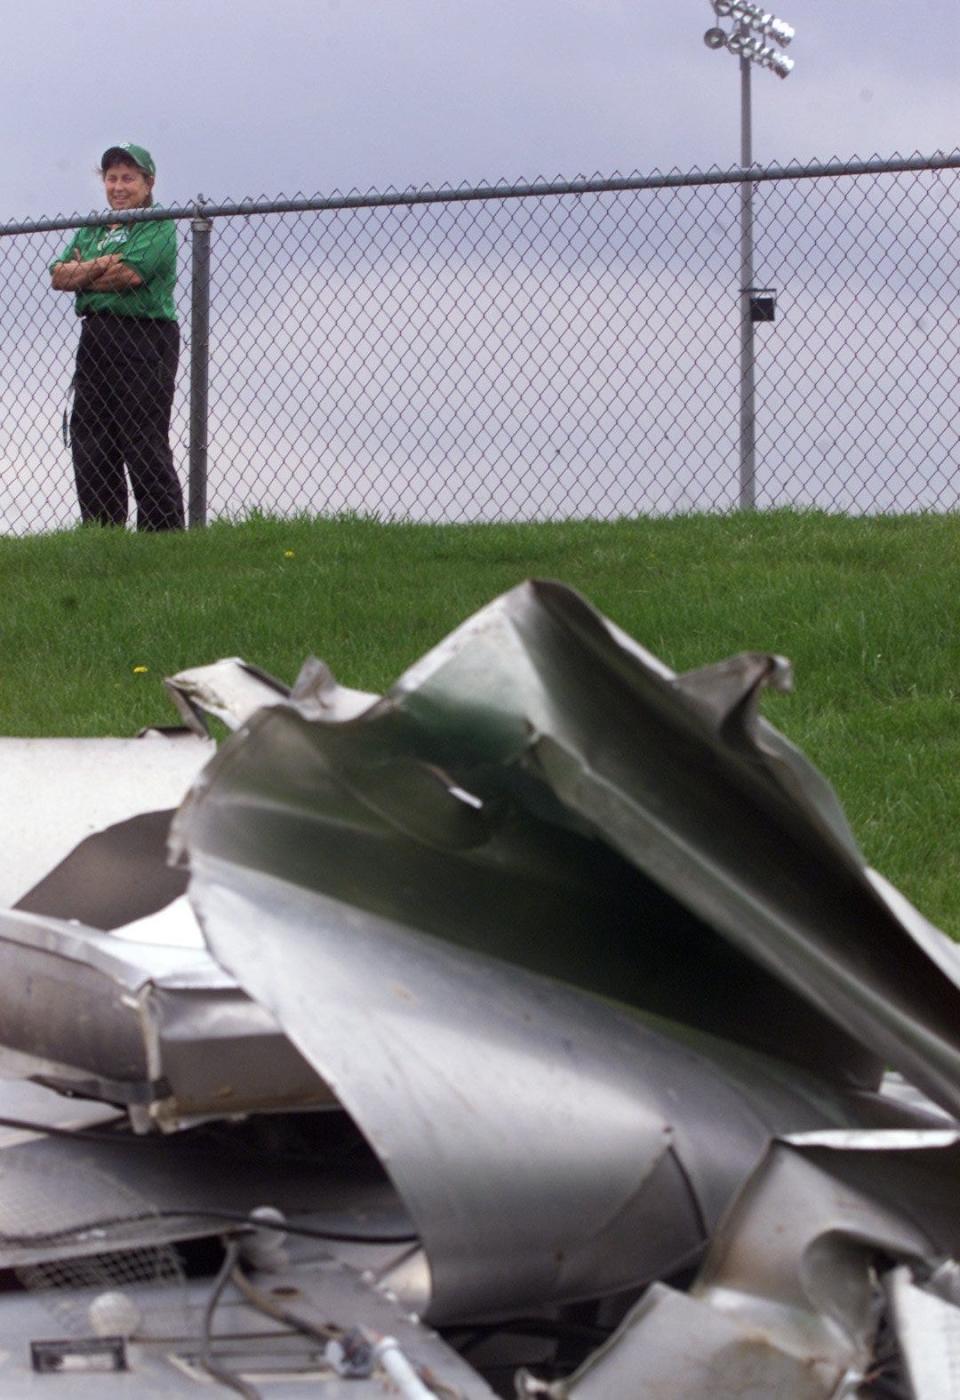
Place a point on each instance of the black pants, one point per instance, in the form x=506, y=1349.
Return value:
x=126, y=368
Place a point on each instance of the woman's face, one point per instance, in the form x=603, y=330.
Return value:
x=126, y=186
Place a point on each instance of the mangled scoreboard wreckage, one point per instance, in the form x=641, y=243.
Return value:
x=534, y=1029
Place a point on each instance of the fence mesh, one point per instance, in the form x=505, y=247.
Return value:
x=542, y=355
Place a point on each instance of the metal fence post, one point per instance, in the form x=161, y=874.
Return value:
x=199, y=369
x=748, y=440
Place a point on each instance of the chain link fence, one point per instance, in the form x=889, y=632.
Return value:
x=545, y=352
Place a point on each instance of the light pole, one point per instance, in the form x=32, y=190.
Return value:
x=749, y=41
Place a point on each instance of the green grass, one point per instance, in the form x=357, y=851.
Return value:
x=865, y=609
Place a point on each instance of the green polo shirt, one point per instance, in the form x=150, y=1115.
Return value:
x=150, y=249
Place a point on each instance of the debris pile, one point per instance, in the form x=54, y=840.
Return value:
x=527, y=1030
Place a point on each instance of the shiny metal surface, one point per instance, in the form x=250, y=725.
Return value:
x=232, y=690
x=162, y=1030
x=928, y=1330
x=789, y=1299
x=620, y=824
x=583, y=962
x=794, y=1256
x=537, y=813
x=485, y=1091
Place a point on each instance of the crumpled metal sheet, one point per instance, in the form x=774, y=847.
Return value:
x=437, y=897
x=793, y=1257
x=655, y=815
x=145, y=1019
x=570, y=938
x=787, y=1300
x=486, y=1091
x=162, y=1031
x=232, y=690
x=673, y=1348
x=927, y=1327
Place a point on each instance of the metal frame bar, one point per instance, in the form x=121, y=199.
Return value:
x=199, y=371
x=539, y=189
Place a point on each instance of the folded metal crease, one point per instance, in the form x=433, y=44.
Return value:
x=536, y=689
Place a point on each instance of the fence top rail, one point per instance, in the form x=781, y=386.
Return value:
x=203, y=210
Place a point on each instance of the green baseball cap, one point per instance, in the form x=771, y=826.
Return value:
x=128, y=151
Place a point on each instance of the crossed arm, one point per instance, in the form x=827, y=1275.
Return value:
x=108, y=273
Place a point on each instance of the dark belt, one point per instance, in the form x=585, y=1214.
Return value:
x=137, y=320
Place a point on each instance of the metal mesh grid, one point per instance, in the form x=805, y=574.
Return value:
x=860, y=372
x=47, y=1206
x=462, y=362
x=540, y=355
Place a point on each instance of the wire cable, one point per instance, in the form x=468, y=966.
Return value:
x=234, y=1217
x=212, y=1368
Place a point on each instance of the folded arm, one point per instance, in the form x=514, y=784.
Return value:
x=108, y=273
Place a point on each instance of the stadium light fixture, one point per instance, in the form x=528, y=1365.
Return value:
x=749, y=41
x=753, y=17
x=746, y=46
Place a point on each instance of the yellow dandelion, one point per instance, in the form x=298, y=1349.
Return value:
x=288, y=554
x=140, y=670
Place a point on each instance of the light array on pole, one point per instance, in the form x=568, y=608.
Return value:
x=754, y=18
x=744, y=44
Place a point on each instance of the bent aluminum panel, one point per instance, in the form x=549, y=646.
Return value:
x=673, y=1347
x=232, y=690
x=928, y=1331
x=794, y=1257
x=535, y=785
x=229, y=690
x=547, y=1144
x=538, y=796
x=787, y=1299
x=484, y=1092
x=485, y=855
x=138, y=1024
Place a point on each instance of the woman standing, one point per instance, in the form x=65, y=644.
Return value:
x=124, y=276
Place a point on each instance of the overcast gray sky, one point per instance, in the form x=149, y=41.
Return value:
x=241, y=98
